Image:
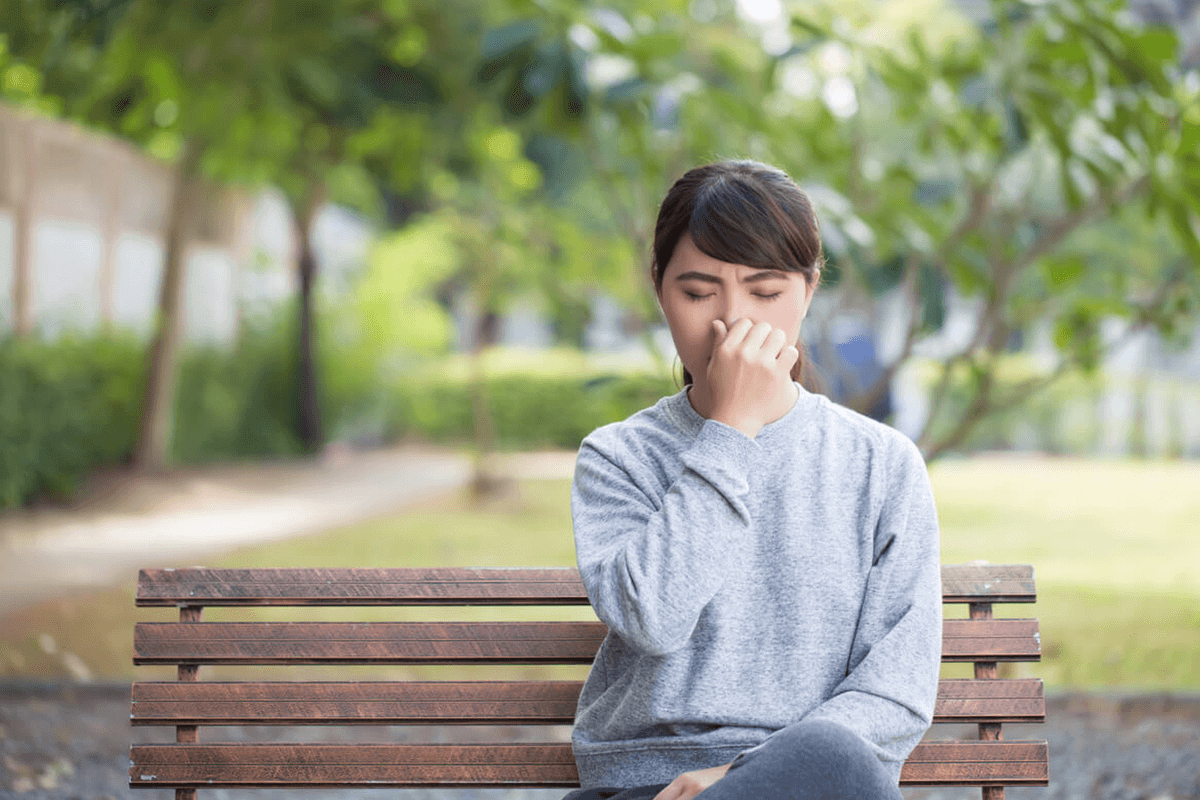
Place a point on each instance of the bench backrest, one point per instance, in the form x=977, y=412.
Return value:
x=188, y=703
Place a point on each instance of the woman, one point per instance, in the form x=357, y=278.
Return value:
x=766, y=561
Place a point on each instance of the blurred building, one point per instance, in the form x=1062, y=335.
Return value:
x=83, y=216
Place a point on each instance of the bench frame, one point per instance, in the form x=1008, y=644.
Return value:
x=188, y=704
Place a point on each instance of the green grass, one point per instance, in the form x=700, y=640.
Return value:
x=1116, y=552
x=1115, y=546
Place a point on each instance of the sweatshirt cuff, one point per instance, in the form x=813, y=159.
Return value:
x=721, y=449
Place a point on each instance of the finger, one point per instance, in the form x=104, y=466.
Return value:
x=737, y=331
x=753, y=343
x=789, y=357
x=775, y=343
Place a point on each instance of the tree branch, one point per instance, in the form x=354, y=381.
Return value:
x=1021, y=393
x=1052, y=235
x=1059, y=229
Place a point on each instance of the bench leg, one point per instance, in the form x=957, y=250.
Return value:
x=187, y=734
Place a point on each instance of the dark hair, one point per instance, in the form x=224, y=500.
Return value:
x=741, y=212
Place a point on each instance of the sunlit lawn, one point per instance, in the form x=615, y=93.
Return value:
x=1115, y=546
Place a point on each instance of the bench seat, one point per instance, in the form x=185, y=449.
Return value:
x=187, y=704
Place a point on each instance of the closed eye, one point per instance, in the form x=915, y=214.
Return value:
x=699, y=297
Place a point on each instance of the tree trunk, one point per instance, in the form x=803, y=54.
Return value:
x=23, y=223
x=162, y=374
x=486, y=481
x=110, y=234
x=309, y=423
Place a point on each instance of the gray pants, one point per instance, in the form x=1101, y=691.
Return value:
x=808, y=761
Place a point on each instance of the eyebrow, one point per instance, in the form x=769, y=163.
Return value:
x=765, y=275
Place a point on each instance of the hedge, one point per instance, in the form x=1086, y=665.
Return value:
x=71, y=406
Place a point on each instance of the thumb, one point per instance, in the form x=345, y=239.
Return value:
x=720, y=328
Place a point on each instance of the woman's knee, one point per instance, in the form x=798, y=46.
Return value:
x=820, y=741
x=820, y=759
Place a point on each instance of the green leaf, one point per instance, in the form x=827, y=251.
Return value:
x=505, y=46
x=318, y=80
x=629, y=90
x=810, y=27
x=933, y=298
x=1063, y=271
x=882, y=278
x=542, y=73
x=968, y=269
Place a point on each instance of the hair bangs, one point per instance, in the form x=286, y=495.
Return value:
x=736, y=222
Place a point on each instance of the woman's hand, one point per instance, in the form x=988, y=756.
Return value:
x=690, y=784
x=749, y=374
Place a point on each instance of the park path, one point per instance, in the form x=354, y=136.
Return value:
x=201, y=513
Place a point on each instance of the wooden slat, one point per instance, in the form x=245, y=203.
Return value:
x=991, y=640
x=932, y=763
x=988, y=583
x=373, y=765
x=961, y=583
x=478, y=702
x=368, y=702
x=367, y=642
x=474, y=642
x=974, y=763
x=963, y=700
x=362, y=586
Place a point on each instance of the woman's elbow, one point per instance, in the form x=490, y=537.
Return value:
x=649, y=634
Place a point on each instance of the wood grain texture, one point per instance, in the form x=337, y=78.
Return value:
x=367, y=642
x=189, y=703
x=369, y=702
x=478, y=702
x=362, y=586
x=961, y=583
x=990, y=701
x=988, y=583
x=933, y=763
x=974, y=763
x=474, y=642
x=991, y=640
x=365, y=765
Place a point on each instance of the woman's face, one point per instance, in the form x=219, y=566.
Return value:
x=697, y=289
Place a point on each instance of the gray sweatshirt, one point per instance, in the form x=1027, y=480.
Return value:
x=748, y=584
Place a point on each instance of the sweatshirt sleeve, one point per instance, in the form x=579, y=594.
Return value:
x=649, y=568
x=888, y=694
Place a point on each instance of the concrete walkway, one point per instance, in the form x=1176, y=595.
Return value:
x=47, y=554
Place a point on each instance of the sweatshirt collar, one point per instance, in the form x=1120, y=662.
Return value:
x=689, y=421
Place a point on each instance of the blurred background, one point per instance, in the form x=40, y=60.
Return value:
x=346, y=283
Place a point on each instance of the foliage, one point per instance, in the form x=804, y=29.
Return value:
x=1069, y=417
x=70, y=407
x=1024, y=159
x=66, y=408
x=530, y=411
x=948, y=156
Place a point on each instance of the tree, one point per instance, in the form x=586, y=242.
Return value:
x=156, y=75
x=958, y=157
x=246, y=91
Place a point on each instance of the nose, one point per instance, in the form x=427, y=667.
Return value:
x=733, y=308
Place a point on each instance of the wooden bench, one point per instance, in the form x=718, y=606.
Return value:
x=189, y=704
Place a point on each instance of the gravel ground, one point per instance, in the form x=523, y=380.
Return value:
x=72, y=742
